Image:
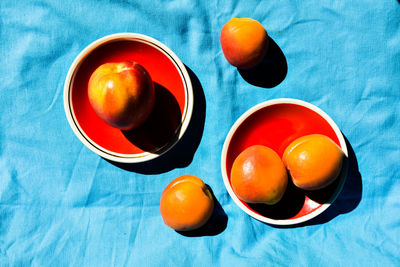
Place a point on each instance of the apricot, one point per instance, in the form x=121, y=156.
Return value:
x=244, y=42
x=186, y=203
x=313, y=161
x=122, y=94
x=259, y=176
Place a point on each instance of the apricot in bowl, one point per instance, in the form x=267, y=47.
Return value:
x=122, y=94
x=259, y=176
x=244, y=42
x=186, y=203
x=314, y=161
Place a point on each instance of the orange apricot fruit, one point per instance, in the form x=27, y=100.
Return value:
x=244, y=42
x=186, y=203
x=122, y=94
x=259, y=176
x=313, y=161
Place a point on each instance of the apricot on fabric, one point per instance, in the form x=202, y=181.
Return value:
x=186, y=203
x=244, y=42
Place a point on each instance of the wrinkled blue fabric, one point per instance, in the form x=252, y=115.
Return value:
x=63, y=205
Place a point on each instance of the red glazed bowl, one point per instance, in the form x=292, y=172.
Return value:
x=173, y=104
x=275, y=124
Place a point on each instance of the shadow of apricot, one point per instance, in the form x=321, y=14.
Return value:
x=271, y=71
x=162, y=126
x=214, y=226
x=346, y=201
x=290, y=204
x=181, y=154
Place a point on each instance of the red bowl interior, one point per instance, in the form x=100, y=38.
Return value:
x=168, y=113
x=276, y=126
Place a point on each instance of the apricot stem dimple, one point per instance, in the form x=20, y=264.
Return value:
x=207, y=192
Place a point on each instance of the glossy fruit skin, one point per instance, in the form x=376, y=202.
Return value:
x=121, y=94
x=314, y=161
x=244, y=42
x=186, y=203
x=259, y=176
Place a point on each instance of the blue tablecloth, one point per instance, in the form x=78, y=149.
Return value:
x=63, y=205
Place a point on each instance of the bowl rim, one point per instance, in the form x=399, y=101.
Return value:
x=85, y=139
x=247, y=114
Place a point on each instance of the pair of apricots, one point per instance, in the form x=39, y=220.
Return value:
x=122, y=94
x=259, y=175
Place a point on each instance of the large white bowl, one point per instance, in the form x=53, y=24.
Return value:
x=266, y=108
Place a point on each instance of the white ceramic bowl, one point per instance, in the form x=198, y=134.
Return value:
x=75, y=102
x=275, y=123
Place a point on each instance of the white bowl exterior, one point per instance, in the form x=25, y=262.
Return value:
x=118, y=157
x=232, y=131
